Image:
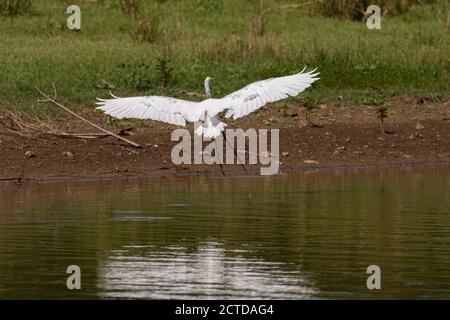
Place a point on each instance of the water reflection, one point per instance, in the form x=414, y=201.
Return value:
x=211, y=272
x=305, y=236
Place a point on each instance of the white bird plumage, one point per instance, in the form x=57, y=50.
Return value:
x=238, y=104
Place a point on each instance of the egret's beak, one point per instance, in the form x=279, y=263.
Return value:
x=211, y=78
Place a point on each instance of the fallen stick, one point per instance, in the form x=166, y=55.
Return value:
x=19, y=133
x=80, y=135
x=50, y=131
x=20, y=123
x=48, y=99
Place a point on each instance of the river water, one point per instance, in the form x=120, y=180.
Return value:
x=299, y=236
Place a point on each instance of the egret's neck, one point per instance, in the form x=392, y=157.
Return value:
x=208, y=90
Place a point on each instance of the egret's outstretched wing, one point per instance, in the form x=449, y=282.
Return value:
x=170, y=110
x=258, y=94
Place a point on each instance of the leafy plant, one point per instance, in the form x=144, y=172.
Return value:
x=258, y=22
x=103, y=84
x=130, y=7
x=140, y=78
x=12, y=8
x=310, y=106
x=136, y=76
x=164, y=70
x=209, y=5
x=356, y=9
x=148, y=27
x=147, y=30
x=371, y=101
x=382, y=114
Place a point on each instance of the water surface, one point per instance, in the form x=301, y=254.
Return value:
x=287, y=237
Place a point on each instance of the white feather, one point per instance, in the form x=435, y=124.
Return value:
x=239, y=103
x=258, y=94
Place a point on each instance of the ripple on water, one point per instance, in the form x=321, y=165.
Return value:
x=140, y=218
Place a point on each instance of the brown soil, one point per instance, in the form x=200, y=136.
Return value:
x=419, y=131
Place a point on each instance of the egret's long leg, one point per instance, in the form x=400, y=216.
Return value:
x=220, y=164
x=235, y=153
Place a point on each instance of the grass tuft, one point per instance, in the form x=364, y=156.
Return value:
x=195, y=39
x=13, y=8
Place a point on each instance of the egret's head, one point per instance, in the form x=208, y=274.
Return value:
x=208, y=81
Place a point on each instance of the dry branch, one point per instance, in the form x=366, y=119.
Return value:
x=52, y=100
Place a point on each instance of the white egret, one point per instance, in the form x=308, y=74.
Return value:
x=237, y=104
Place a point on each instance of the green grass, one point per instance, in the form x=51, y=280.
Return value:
x=409, y=55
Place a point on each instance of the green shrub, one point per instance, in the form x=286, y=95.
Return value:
x=382, y=113
x=209, y=5
x=164, y=71
x=12, y=8
x=355, y=9
x=310, y=105
x=130, y=8
x=147, y=30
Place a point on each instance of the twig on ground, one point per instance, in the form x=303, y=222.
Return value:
x=17, y=125
x=80, y=135
x=18, y=133
x=52, y=100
